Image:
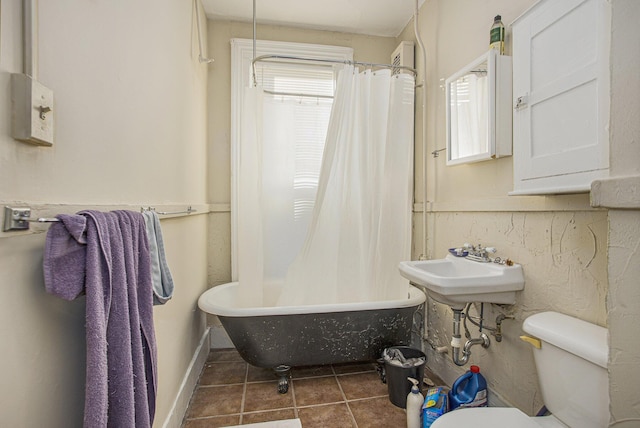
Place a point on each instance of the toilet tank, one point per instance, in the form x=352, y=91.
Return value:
x=572, y=368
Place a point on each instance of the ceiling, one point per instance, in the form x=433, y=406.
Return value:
x=374, y=17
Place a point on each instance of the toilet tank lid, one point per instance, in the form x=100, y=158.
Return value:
x=581, y=338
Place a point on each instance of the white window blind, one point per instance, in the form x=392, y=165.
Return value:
x=295, y=130
x=295, y=124
x=296, y=79
x=312, y=109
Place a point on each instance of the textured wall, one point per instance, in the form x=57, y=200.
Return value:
x=130, y=104
x=560, y=241
x=563, y=255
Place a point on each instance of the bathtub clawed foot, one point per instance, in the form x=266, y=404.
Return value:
x=382, y=373
x=284, y=373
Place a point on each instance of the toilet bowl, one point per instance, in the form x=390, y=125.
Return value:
x=492, y=417
x=571, y=361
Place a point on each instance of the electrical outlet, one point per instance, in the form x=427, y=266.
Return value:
x=33, y=115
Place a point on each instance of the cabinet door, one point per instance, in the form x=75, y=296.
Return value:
x=479, y=116
x=561, y=96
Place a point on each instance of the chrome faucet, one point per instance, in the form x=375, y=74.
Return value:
x=479, y=253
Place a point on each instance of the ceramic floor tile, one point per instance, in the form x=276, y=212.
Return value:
x=213, y=422
x=274, y=415
x=319, y=390
x=377, y=412
x=362, y=385
x=216, y=401
x=226, y=355
x=223, y=373
x=318, y=395
x=265, y=396
x=258, y=374
x=329, y=416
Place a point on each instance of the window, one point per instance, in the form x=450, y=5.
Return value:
x=292, y=156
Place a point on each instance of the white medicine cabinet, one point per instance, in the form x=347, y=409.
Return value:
x=561, y=96
x=479, y=114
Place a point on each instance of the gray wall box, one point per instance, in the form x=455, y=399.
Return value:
x=32, y=116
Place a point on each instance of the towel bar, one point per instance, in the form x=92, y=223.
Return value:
x=43, y=220
x=189, y=210
x=19, y=218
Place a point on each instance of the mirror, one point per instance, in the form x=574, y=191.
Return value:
x=478, y=106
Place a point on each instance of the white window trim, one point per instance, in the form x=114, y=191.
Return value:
x=241, y=57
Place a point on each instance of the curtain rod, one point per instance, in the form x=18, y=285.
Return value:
x=327, y=61
x=297, y=94
x=320, y=60
x=333, y=61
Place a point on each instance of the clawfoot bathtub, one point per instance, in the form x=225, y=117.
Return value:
x=279, y=337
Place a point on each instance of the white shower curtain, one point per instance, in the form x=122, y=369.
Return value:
x=250, y=248
x=360, y=226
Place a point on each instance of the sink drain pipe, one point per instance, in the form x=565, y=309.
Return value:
x=456, y=341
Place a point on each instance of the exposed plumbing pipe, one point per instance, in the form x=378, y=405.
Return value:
x=497, y=332
x=254, y=30
x=466, y=351
x=424, y=130
x=30, y=38
x=456, y=341
x=494, y=331
x=201, y=57
x=423, y=86
x=442, y=350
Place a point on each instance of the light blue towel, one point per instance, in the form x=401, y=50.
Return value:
x=160, y=274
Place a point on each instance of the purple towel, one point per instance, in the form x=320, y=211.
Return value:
x=106, y=257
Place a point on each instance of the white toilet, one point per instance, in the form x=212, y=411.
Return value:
x=572, y=372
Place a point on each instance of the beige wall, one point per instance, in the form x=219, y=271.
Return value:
x=130, y=104
x=560, y=240
x=366, y=48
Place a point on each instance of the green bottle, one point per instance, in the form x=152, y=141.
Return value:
x=496, y=35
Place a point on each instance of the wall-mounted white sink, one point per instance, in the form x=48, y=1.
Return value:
x=457, y=281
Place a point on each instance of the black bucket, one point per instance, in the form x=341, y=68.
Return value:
x=397, y=383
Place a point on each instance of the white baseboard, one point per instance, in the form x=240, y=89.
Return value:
x=189, y=382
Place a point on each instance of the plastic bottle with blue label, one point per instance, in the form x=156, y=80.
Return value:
x=469, y=390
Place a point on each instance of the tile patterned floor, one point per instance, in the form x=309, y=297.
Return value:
x=232, y=392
